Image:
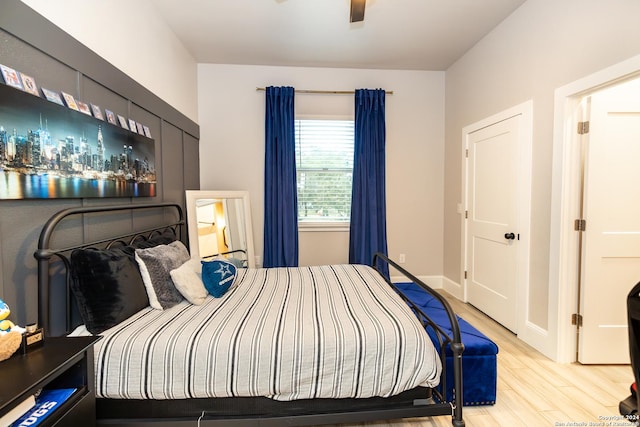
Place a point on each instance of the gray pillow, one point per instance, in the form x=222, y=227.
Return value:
x=155, y=268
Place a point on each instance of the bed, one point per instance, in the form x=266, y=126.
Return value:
x=282, y=346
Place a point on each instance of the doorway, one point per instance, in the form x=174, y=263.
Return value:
x=610, y=236
x=565, y=277
x=496, y=218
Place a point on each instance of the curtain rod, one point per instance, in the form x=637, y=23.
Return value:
x=330, y=92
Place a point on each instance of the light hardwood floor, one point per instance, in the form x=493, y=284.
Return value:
x=535, y=391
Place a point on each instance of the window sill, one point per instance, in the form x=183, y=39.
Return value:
x=323, y=226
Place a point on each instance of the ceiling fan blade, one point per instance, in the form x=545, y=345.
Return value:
x=357, y=10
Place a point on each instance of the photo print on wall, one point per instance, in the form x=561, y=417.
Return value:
x=54, y=152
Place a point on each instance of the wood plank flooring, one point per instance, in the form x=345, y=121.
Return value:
x=535, y=391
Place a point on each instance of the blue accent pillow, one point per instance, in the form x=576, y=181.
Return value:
x=218, y=276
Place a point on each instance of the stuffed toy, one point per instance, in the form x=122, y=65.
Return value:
x=10, y=334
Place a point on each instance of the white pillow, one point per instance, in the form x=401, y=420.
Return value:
x=188, y=280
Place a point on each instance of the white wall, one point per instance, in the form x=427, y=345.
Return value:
x=543, y=45
x=231, y=118
x=135, y=39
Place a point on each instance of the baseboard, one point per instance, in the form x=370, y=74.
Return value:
x=455, y=289
x=539, y=339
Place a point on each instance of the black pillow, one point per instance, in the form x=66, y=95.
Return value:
x=107, y=286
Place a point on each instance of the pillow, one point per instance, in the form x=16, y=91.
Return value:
x=107, y=286
x=218, y=276
x=188, y=280
x=155, y=267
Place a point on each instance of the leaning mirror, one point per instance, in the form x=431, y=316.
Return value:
x=219, y=223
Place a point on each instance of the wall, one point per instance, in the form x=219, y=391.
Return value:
x=33, y=45
x=135, y=39
x=231, y=116
x=543, y=45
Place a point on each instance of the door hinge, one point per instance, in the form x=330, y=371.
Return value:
x=465, y=274
x=466, y=153
x=580, y=225
x=576, y=319
x=466, y=214
x=583, y=128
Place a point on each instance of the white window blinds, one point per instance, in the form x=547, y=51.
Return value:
x=324, y=165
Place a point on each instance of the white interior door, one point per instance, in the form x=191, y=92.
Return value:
x=611, y=242
x=492, y=234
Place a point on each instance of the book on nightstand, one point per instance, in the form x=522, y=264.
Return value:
x=20, y=409
x=46, y=402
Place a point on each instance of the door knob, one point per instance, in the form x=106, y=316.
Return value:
x=509, y=236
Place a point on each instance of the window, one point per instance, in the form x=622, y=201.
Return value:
x=324, y=165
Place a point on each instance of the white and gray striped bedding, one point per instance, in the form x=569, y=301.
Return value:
x=287, y=333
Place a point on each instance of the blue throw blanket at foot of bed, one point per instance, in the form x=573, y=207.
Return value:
x=479, y=363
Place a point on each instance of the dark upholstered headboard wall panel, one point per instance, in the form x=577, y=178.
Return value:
x=33, y=45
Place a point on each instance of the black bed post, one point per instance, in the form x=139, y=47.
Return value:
x=457, y=348
x=43, y=294
x=43, y=254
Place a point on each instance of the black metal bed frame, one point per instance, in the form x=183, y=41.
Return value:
x=45, y=253
x=436, y=405
x=454, y=342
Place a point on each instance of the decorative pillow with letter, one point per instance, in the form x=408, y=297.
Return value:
x=155, y=267
x=107, y=286
x=188, y=280
x=218, y=276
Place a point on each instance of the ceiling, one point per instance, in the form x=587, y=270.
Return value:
x=395, y=34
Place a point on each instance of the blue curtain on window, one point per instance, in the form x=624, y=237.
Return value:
x=280, y=194
x=368, y=232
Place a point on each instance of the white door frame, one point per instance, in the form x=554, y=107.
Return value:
x=525, y=110
x=565, y=202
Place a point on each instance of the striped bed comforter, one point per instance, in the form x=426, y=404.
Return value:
x=286, y=333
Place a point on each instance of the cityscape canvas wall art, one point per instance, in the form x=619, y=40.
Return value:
x=50, y=151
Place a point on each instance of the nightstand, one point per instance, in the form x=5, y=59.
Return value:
x=61, y=362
